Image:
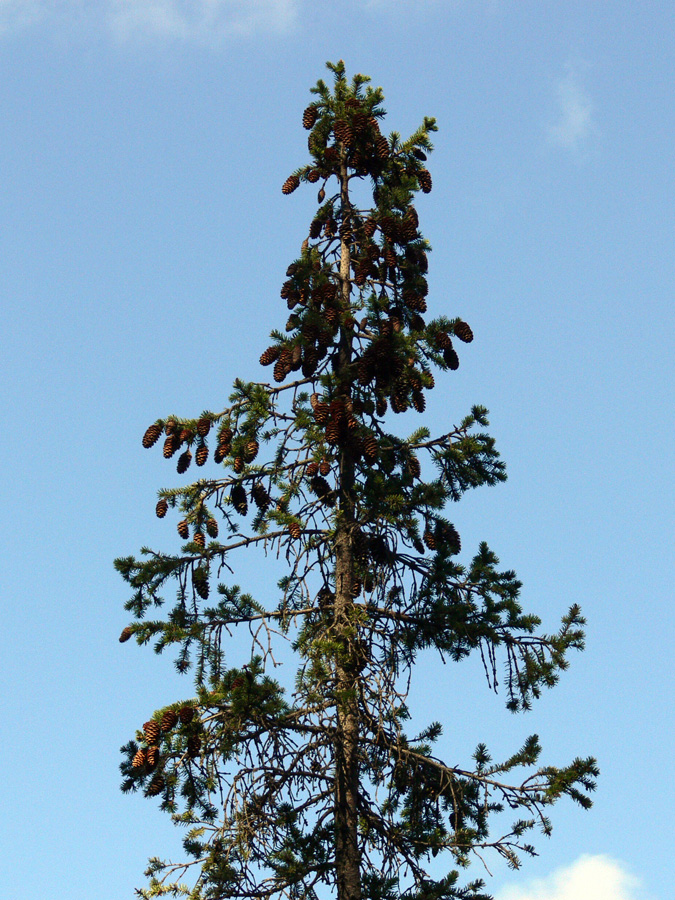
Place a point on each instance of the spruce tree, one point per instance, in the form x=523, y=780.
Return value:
x=319, y=790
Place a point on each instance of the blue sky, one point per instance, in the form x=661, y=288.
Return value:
x=144, y=239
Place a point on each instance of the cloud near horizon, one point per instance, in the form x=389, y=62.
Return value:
x=589, y=878
x=575, y=123
x=203, y=21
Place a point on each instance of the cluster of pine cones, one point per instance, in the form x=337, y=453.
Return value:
x=148, y=759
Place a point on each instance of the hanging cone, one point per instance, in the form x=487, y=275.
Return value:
x=333, y=432
x=185, y=435
x=450, y=358
x=463, y=332
x=424, y=179
x=221, y=452
x=315, y=228
x=321, y=413
x=161, y=508
x=238, y=464
x=260, y=496
x=291, y=183
x=429, y=539
x=126, y=634
x=413, y=466
x=312, y=469
x=152, y=435
x=200, y=583
x=194, y=745
x=418, y=401
x=320, y=486
x=156, y=786
x=294, y=530
x=251, y=450
x=199, y=539
x=186, y=714
x=279, y=372
x=183, y=529
x=169, y=720
x=151, y=731
x=450, y=536
x=269, y=356
x=139, y=759
x=313, y=176
x=152, y=757
x=203, y=426
x=171, y=444
x=238, y=498
x=309, y=117
x=443, y=341
x=381, y=406
x=184, y=461
x=370, y=447
x=201, y=455
x=212, y=527
x=382, y=147
x=324, y=467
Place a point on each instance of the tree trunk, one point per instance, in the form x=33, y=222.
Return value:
x=347, y=855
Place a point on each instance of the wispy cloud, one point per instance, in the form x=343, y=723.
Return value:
x=589, y=878
x=575, y=124
x=205, y=21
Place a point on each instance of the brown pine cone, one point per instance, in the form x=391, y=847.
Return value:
x=201, y=455
x=430, y=539
x=186, y=714
x=169, y=720
x=199, y=539
x=333, y=432
x=156, y=786
x=201, y=583
x=269, y=356
x=152, y=435
x=238, y=498
x=184, y=461
x=194, y=745
x=463, y=332
x=313, y=176
x=370, y=447
x=321, y=413
x=203, y=426
x=126, y=634
x=291, y=183
x=324, y=467
x=418, y=401
x=315, y=228
x=424, y=178
x=151, y=731
x=152, y=757
x=183, y=529
x=312, y=469
x=413, y=466
x=139, y=759
x=279, y=372
x=320, y=486
x=309, y=117
x=381, y=406
x=294, y=530
x=382, y=147
x=161, y=508
x=212, y=527
x=450, y=358
x=171, y=444
x=238, y=464
x=260, y=496
x=221, y=452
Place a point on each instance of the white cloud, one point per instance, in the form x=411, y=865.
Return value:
x=589, y=878
x=205, y=21
x=575, y=124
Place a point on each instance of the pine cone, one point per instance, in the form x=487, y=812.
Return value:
x=212, y=527
x=382, y=147
x=424, y=179
x=221, y=452
x=315, y=228
x=269, y=356
x=200, y=583
x=313, y=176
x=450, y=536
x=171, y=444
x=203, y=426
x=152, y=757
x=199, y=539
x=463, y=332
x=139, y=759
x=418, y=401
x=381, y=406
x=291, y=183
x=450, y=358
x=185, y=435
x=161, y=508
x=309, y=117
x=324, y=467
x=201, y=455
x=294, y=530
x=370, y=447
x=151, y=731
x=312, y=469
x=238, y=498
x=430, y=539
x=156, y=786
x=184, y=461
x=320, y=486
x=413, y=466
x=333, y=432
x=186, y=714
x=443, y=340
x=238, y=464
x=260, y=496
x=126, y=634
x=169, y=720
x=279, y=372
x=321, y=413
x=183, y=529
x=194, y=745
x=152, y=435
